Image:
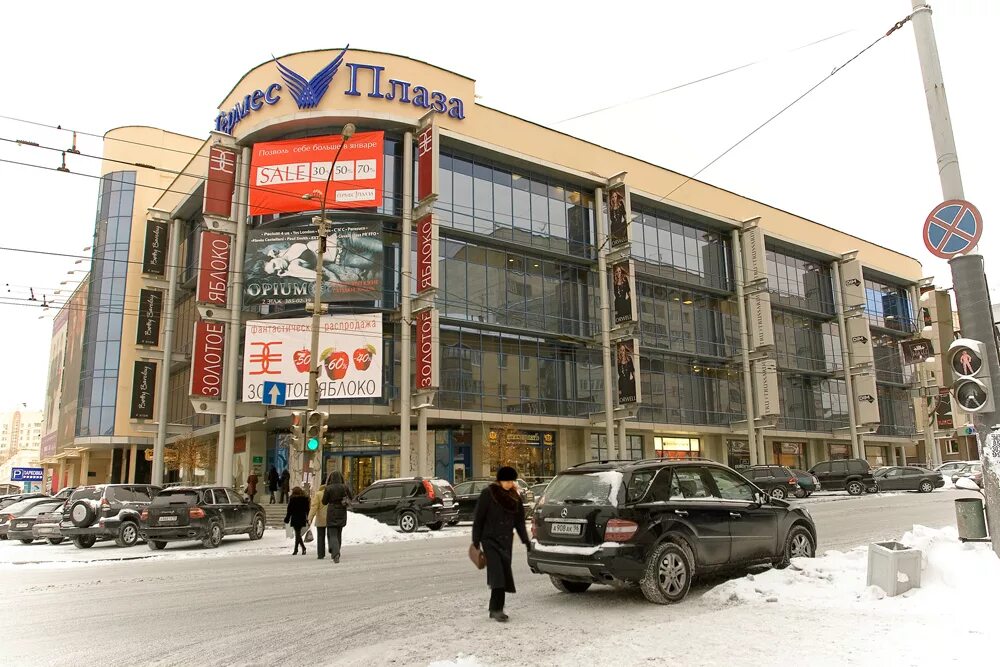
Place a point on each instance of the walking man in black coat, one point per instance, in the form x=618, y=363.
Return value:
x=499, y=513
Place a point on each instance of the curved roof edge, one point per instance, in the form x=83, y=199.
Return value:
x=150, y=127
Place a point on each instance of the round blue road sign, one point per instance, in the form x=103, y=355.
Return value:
x=952, y=228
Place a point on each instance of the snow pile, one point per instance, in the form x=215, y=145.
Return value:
x=953, y=575
x=363, y=529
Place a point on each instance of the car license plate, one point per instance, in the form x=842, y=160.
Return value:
x=566, y=529
x=48, y=531
x=167, y=519
x=21, y=524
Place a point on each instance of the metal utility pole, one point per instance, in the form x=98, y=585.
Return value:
x=967, y=272
x=605, y=305
x=406, y=310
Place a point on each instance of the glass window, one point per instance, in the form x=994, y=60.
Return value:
x=392, y=491
x=676, y=447
x=690, y=483
x=731, y=486
x=373, y=494
x=639, y=484
x=586, y=488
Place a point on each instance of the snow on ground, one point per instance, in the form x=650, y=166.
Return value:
x=818, y=612
x=359, y=530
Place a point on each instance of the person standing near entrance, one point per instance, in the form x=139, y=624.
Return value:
x=499, y=512
x=317, y=512
x=272, y=482
x=285, y=479
x=252, y=485
x=296, y=516
x=337, y=496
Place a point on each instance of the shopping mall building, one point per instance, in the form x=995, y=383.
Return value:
x=469, y=279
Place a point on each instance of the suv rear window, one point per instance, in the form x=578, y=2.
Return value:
x=178, y=497
x=89, y=493
x=442, y=489
x=597, y=488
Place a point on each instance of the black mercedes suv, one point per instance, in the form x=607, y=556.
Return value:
x=105, y=512
x=659, y=524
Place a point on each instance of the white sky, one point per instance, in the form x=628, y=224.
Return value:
x=856, y=154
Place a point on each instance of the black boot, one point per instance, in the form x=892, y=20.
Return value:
x=499, y=616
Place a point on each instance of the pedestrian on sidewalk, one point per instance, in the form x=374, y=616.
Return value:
x=296, y=516
x=499, y=513
x=252, y=485
x=337, y=497
x=272, y=482
x=317, y=513
x=285, y=478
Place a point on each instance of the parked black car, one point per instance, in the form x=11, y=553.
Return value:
x=467, y=494
x=908, y=478
x=777, y=481
x=199, y=513
x=7, y=501
x=21, y=521
x=46, y=526
x=105, y=512
x=851, y=475
x=10, y=513
x=659, y=524
x=808, y=484
x=409, y=503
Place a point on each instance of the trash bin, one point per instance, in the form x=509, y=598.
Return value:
x=970, y=518
x=894, y=567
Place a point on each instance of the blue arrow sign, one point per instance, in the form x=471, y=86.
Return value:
x=274, y=393
x=27, y=474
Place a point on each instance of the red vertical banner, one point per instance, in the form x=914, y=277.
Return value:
x=213, y=270
x=427, y=161
x=206, y=359
x=221, y=181
x=427, y=260
x=427, y=358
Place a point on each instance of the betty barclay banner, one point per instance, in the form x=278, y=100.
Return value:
x=350, y=354
x=281, y=172
x=143, y=384
x=280, y=264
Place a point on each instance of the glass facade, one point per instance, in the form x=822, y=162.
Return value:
x=680, y=320
x=888, y=306
x=669, y=247
x=681, y=391
x=599, y=447
x=806, y=344
x=102, y=336
x=800, y=283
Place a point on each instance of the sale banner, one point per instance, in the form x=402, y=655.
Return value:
x=281, y=172
x=350, y=356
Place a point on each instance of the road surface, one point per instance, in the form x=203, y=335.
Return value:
x=396, y=603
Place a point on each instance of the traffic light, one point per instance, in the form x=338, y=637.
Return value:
x=315, y=431
x=971, y=385
x=298, y=424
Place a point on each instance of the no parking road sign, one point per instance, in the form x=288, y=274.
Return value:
x=952, y=228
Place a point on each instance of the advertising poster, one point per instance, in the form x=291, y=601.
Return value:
x=143, y=384
x=282, y=171
x=622, y=283
x=207, y=357
x=221, y=181
x=618, y=216
x=280, y=264
x=213, y=269
x=147, y=331
x=628, y=371
x=154, y=249
x=350, y=353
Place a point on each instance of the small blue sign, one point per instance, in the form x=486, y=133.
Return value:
x=274, y=393
x=27, y=474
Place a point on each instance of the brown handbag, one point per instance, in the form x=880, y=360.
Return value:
x=477, y=557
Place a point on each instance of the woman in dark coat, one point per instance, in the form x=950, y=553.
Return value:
x=272, y=482
x=286, y=482
x=297, y=516
x=499, y=513
x=337, y=497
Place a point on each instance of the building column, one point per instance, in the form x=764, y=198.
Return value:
x=123, y=472
x=61, y=472
x=406, y=312
x=741, y=311
x=131, y=464
x=84, y=468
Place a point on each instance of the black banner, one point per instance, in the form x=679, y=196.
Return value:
x=622, y=280
x=143, y=387
x=154, y=252
x=147, y=330
x=280, y=264
x=618, y=216
x=628, y=372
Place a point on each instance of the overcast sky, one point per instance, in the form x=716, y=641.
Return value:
x=856, y=154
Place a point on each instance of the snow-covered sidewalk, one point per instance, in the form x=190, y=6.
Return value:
x=360, y=530
x=817, y=612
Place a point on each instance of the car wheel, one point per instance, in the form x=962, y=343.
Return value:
x=801, y=493
x=437, y=525
x=84, y=541
x=407, y=522
x=778, y=492
x=926, y=487
x=669, y=570
x=128, y=534
x=26, y=541
x=798, y=544
x=214, y=538
x=855, y=488
x=257, y=527
x=453, y=523
x=872, y=489
x=54, y=540
x=567, y=586
x=155, y=545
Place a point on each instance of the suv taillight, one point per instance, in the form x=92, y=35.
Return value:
x=429, y=488
x=620, y=530
x=105, y=503
x=196, y=513
x=144, y=515
x=792, y=481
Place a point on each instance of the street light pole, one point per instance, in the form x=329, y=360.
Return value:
x=317, y=302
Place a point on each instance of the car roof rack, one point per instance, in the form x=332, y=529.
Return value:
x=652, y=460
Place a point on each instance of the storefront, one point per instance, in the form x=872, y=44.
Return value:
x=738, y=454
x=838, y=451
x=790, y=454
x=670, y=447
x=532, y=453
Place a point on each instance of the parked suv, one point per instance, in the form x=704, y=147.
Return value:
x=659, y=524
x=199, y=513
x=105, y=512
x=467, y=495
x=409, y=502
x=851, y=475
x=776, y=481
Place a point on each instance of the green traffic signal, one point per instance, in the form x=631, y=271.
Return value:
x=312, y=444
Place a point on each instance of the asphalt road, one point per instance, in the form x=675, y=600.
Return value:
x=396, y=603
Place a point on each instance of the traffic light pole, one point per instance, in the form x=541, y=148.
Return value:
x=967, y=272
